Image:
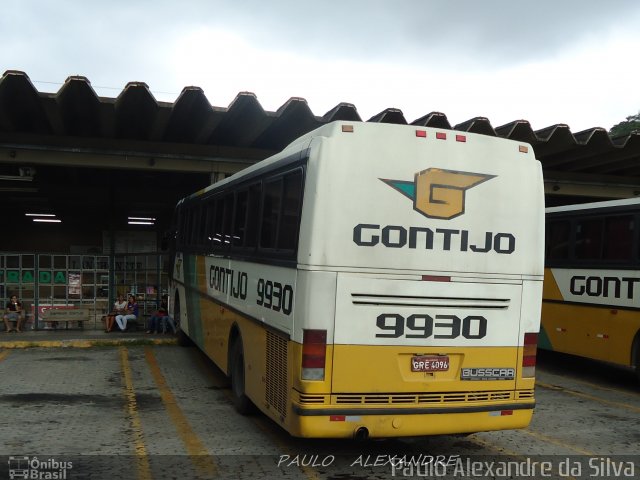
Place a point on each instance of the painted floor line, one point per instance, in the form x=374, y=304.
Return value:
x=600, y=387
x=197, y=451
x=626, y=406
x=557, y=442
x=80, y=343
x=142, y=459
x=263, y=422
x=502, y=450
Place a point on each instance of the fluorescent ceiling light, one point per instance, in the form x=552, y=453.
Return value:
x=39, y=215
x=140, y=223
x=146, y=219
x=47, y=220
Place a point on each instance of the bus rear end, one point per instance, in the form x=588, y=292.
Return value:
x=419, y=284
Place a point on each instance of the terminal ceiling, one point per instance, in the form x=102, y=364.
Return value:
x=86, y=156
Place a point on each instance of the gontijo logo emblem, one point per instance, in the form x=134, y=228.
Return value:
x=438, y=193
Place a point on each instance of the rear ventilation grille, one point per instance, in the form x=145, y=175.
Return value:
x=525, y=395
x=426, y=301
x=306, y=399
x=276, y=381
x=423, y=398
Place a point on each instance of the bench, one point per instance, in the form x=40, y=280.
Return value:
x=55, y=315
x=14, y=321
x=139, y=323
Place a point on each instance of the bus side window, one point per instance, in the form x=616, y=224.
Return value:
x=228, y=218
x=211, y=222
x=589, y=233
x=618, y=238
x=202, y=225
x=194, y=217
x=557, y=245
x=217, y=236
x=253, y=216
x=290, y=221
x=270, y=213
x=240, y=218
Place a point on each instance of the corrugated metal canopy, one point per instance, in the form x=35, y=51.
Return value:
x=77, y=111
x=76, y=128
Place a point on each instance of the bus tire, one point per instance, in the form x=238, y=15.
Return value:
x=241, y=402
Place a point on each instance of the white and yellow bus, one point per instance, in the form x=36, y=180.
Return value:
x=371, y=280
x=591, y=303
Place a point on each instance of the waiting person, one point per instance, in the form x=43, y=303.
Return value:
x=13, y=313
x=119, y=308
x=161, y=317
x=131, y=313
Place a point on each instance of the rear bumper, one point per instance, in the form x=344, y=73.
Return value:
x=306, y=412
x=402, y=422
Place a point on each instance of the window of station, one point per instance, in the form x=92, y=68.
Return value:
x=41, y=280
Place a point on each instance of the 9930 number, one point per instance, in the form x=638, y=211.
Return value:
x=394, y=325
x=275, y=296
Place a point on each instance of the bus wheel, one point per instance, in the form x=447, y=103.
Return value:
x=240, y=400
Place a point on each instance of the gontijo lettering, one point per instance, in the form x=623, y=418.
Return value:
x=595, y=286
x=396, y=236
x=226, y=280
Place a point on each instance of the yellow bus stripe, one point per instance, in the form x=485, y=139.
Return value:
x=196, y=450
x=633, y=408
x=4, y=354
x=142, y=460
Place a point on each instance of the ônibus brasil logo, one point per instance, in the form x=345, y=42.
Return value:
x=438, y=193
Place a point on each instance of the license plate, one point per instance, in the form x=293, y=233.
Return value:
x=430, y=363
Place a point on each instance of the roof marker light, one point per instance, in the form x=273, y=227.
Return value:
x=421, y=133
x=461, y=138
x=347, y=128
x=523, y=149
x=441, y=135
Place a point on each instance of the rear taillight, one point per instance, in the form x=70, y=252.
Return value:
x=314, y=354
x=529, y=355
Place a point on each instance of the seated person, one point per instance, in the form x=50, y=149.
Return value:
x=119, y=307
x=131, y=313
x=161, y=317
x=13, y=313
